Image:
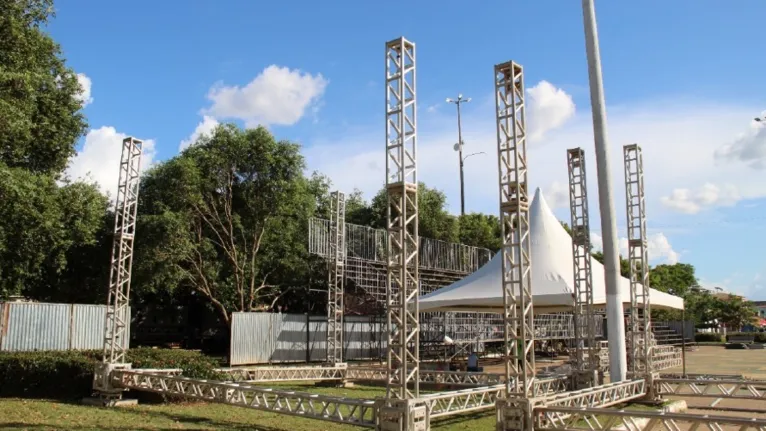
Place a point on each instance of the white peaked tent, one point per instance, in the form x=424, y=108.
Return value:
x=552, y=275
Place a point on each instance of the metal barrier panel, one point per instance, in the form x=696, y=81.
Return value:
x=86, y=330
x=259, y=338
x=35, y=326
x=317, y=339
x=252, y=339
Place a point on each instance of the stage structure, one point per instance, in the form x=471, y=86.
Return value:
x=640, y=348
x=519, y=332
x=402, y=222
x=117, y=324
x=586, y=351
x=523, y=402
x=336, y=278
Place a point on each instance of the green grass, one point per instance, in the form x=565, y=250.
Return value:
x=16, y=414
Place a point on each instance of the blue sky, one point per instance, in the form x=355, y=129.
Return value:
x=682, y=78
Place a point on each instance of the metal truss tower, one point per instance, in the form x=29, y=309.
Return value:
x=586, y=365
x=336, y=274
x=118, y=303
x=640, y=352
x=514, y=214
x=402, y=285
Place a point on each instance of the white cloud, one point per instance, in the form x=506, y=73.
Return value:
x=678, y=138
x=708, y=196
x=597, y=241
x=740, y=284
x=277, y=96
x=557, y=195
x=85, y=85
x=548, y=108
x=658, y=247
x=99, y=159
x=203, y=128
x=748, y=148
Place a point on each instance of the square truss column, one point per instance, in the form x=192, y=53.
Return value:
x=640, y=351
x=336, y=274
x=402, y=223
x=585, y=331
x=514, y=215
x=117, y=322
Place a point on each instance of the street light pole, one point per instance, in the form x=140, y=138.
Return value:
x=614, y=310
x=459, y=148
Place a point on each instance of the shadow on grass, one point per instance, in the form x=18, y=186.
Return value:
x=145, y=417
x=458, y=419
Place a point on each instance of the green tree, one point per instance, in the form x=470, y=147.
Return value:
x=40, y=119
x=735, y=312
x=357, y=210
x=434, y=220
x=44, y=230
x=624, y=264
x=480, y=230
x=677, y=279
x=227, y=218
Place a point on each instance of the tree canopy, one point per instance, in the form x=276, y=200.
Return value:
x=40, y=118
x=227, y=218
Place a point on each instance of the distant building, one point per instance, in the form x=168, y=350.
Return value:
x=760, y=308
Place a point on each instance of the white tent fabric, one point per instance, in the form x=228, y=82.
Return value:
x=552, y=275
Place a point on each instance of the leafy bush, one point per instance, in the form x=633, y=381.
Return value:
x=705, y=337
x=62, y=375
x=193, y=364
x=759, y=337
x=69, y=374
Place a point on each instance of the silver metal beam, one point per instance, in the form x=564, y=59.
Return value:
x=402, y=310
x=336, y=277
x=117, y=321
x=716, y=390
x=640, y=307
x=602, y=419
x=518, y=318
x=334, y=409
x=600, y=396
x=586, y=350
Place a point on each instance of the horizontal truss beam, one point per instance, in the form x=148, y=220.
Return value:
x=352, y=411
x=718, y=390
x=601, y=419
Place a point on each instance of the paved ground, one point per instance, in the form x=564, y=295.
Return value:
x=717, y=360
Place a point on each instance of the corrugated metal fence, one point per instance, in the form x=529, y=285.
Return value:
x=31, y=326
x=258, y=338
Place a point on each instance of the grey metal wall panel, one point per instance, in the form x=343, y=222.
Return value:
x=36, y=326
x=258, y=338
x=291, y=339
x=87, y=330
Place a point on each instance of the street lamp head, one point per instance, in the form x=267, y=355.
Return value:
x=758, y=119
x=449, y=100
x=467, y=99
x=459, y=96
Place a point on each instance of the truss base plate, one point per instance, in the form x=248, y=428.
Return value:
x=109, y=402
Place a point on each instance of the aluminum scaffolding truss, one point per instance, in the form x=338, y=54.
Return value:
x=336, y=277
x=335, y=409
x=640, y=352
x=586, y=353
x=117, y=322
x=402, y=222
x=717, y=390
x=514, y=215
x=602, y=419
